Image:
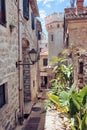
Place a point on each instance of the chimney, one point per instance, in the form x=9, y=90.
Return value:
x=79, y=6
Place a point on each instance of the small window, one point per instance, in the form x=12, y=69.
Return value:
x=80, y=67
x=63, y=25
x=39, y=35
x=67, y=40
x=2, y=95
x=45, y=62
x=2, y=12
x=52, y=37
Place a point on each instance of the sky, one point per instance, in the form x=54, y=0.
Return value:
x=47, y=7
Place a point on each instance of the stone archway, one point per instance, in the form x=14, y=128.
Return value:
x=26, y=71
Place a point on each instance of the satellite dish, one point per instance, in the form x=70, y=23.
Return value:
x=72, y=2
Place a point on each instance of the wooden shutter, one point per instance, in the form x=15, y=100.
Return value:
x=2, y=12
x=36, y=30
x=33, y=21
x=26, y=9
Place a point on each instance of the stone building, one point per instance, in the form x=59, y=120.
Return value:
x=9, y=82
x=29, y=39
x=45, y=71
x=18, y=83
x=43, y=62
x=54, y=25
x=75, y=33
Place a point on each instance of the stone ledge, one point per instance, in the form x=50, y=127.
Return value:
x=57, y=121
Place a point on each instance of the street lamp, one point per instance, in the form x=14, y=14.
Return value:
x=33, y=56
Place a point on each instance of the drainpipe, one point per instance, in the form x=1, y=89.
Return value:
x=20, y=68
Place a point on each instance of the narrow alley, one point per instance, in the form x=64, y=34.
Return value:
x=36, y=38
x=36, y=119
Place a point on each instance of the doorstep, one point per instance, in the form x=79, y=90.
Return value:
x=27, y=107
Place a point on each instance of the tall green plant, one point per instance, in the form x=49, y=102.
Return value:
x=63, y=75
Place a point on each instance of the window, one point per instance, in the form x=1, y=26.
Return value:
x=58, y=25
x=51, y=37
x=2, y=12
x=67, y=40
x=80, y=67
x=2, y=95
x=26, y=9
x=32, y=21
x=39, y=36
x=63, y=25
x=45, y=62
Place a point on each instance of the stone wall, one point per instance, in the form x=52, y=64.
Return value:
x=30, y=87
x=78, y=33
x=77, y=30
x=8, y=70
x=85, y=70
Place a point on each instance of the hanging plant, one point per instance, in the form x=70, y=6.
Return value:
x=11, y=27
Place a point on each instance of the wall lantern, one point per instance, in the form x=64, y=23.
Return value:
x=33, y=56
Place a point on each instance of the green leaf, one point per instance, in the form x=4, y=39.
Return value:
x=53, y=98
x=64, y=98
x=72, y=127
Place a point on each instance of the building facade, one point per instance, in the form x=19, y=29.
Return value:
x=43, y=63
x=75, y=32
x=55, y=25
x=18, y=83
x=29, y=38
x=9, y=82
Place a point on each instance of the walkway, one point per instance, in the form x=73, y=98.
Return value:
x=36, y=120
x=51, y=120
